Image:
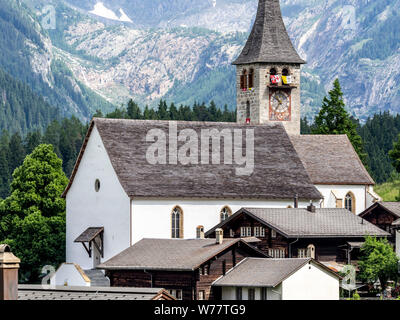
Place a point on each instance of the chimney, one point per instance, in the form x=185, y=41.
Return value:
x=9, y=265
x=296, y=201
x=311, y=207
x=200, y=232
x=219, y=236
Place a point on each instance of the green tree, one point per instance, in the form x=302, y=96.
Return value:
x=334, y=119
x=394, y=154
x=32, y=218
x=378, y=261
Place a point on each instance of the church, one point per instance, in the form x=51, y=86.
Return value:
x=123, y=190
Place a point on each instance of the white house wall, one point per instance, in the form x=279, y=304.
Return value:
x=359, y=191
x=108, y=208
x=311, y=282
x=152, y=218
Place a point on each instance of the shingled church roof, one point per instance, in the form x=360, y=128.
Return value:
x=269, y=41
x=331, y=159
x=278, y=171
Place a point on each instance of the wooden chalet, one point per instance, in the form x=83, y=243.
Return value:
x=385, y=215
x=327, y=235
x=185, y=268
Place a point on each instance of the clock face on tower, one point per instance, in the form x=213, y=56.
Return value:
x=279, y=106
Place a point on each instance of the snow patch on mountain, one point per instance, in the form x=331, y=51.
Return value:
x=102, y=11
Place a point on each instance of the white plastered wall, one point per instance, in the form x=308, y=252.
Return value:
x=68, y=274
x=311, y=282
x=152, y=218
x=329, y=192
x=108, y=208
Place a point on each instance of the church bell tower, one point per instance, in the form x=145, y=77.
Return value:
x=268, y=73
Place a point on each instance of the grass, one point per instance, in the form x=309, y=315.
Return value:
x=388, y=190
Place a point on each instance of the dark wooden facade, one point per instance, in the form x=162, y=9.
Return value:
x=194, y=283
x=382, y=218
x=326, y=249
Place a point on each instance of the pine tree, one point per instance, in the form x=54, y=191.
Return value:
x=334, y=119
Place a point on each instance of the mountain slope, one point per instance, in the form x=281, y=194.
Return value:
x=27, y=54
x=356, y=41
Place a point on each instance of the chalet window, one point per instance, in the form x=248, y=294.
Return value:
x=302, y=253
x=256, y=231
x=225, y=213
x=231, y=233
x=248, y=231
x=262, y=232
x=273, y=234
x=242, y=232
x=177, y=293
x=263, y=293
x=177, y=223
x=349, y=202
x=251, y=78
x=276, y=253
x=243, y=80
x=202, y=295
x=252, y=294
x=239, y=293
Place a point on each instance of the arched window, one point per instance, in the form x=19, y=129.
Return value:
x=177, y=223
x=273, y=72
x=200, y=232
x=225, y=213
x=251, y=78
x=350, y=202
x=285, y=72
x=243, y=80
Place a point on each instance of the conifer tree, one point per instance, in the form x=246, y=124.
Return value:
x=334, y=119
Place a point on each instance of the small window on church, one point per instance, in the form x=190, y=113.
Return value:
x=248, y=112
x=349, y=202
x=225, y=213
x=273, y=72
x=177, y=223
x=243, y=80
x=251, y=78
x=97, y=185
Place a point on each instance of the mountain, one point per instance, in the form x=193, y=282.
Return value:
x=27, y=55
x=181, y=50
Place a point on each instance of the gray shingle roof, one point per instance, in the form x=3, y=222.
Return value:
x=331, y=159
x=393, y=207
x=38, y=292
x=170, y=254
x=269, y=41
x=300, y=223
x=125, y=142
x=264, y=272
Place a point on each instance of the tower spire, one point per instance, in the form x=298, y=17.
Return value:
x=269, y=41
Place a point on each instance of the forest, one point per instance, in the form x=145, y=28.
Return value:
x=378, y=134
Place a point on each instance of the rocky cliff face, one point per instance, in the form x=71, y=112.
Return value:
x=357, y=41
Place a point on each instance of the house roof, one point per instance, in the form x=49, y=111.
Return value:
x=171, y=254
x=272, y=178
x=300, y=223
x=392, y=208
x=39, y=292
x=269, y=41
x=331, y=159
x=264, y=272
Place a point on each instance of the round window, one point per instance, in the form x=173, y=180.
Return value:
x=97, y=185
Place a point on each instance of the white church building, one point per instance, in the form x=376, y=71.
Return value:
x=138, y=179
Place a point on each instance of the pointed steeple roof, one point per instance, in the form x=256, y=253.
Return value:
x=269, y=41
